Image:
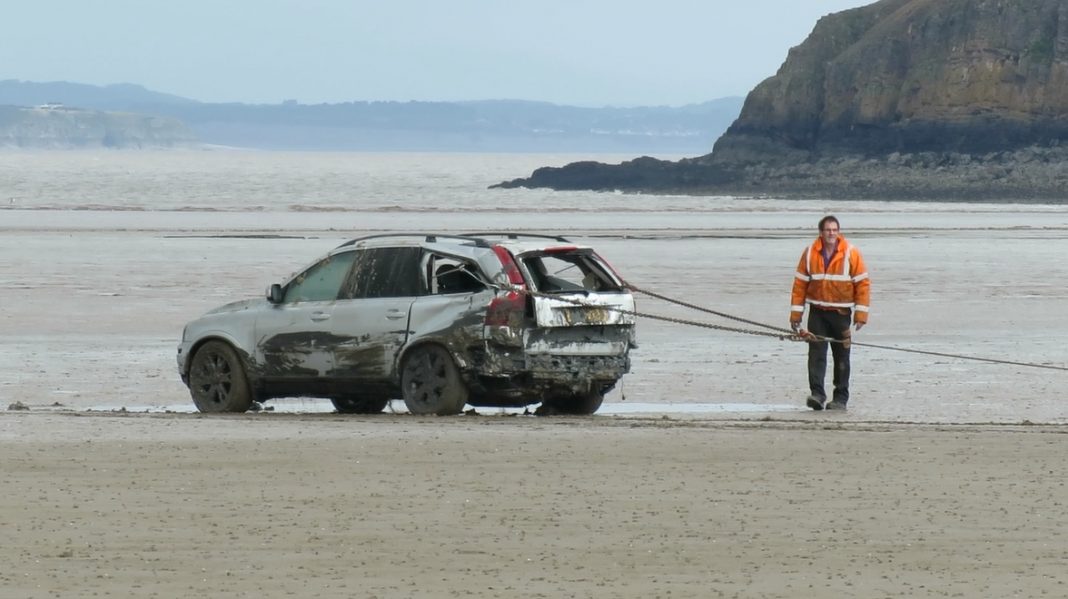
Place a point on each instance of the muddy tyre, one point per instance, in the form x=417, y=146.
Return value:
x=431, y=383
x=217, y=379
x=582, y=404
x=359, y=405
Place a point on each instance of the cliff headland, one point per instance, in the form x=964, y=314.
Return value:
x=900, y=99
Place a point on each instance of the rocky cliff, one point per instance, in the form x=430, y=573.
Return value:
x=59, y=127
x=900, y=98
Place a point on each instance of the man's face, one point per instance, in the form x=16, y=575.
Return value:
x=829, y=233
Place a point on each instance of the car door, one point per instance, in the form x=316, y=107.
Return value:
x=454, y=311
x=370, y=320
x=295, y=338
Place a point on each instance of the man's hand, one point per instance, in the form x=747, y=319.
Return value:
x=796, y=326
x=860, y=325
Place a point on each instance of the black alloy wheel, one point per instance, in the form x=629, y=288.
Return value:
x=431, y=383
x=217, y=379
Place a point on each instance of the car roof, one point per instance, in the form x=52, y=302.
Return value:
x=516, y=243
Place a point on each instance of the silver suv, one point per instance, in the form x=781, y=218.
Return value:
x=443, y=321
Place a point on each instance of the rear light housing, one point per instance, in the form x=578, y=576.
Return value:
x=511, y=269
x=506, y=310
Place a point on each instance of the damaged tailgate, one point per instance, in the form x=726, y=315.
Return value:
x=586, y=341
x=584, y=309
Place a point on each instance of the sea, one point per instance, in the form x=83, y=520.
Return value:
x=107, y=254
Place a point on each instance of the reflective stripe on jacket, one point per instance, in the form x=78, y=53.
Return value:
x=844, y=283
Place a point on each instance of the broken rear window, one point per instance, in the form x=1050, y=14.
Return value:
x=565, y=272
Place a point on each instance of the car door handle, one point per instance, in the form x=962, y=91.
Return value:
x=320, y=316
x=395, y=314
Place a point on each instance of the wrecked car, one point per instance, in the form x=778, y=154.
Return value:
x=442, y=321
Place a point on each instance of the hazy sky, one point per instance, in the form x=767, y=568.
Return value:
x=581, y=52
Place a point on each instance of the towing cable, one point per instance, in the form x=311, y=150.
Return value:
x=780, y=333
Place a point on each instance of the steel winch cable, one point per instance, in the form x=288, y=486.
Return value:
x=792, y=336
x=957, y=356
x=707, y=325
x=779, y=332
x=635, y=288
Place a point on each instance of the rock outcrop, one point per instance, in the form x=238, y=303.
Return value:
x=951, y=99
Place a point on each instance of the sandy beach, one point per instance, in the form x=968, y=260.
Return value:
x=274, y=505
x=703, y=476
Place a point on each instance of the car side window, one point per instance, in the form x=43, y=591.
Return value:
x=321, y=282
x=450, y=275
x=385, y=272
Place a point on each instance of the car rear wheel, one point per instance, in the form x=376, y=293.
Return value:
x=217, y=379
x=359, y=405
x=581, y=404
x=431, y=383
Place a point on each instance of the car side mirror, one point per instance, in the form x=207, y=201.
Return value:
x=274, y=293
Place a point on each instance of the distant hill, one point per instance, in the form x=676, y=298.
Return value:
x=53, y=126
x=118, y=97
x=490, y=125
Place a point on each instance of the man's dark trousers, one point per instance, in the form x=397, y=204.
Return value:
x=835, y=325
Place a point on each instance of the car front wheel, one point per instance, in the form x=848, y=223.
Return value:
x=217, y=379
x=431, y=383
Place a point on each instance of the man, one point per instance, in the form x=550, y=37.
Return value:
x=833, y=280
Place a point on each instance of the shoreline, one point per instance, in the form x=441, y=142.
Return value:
x=800, y=418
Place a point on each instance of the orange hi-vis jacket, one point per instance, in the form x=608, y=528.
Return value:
x=843, y=284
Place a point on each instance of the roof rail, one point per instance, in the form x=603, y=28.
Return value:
x=430, y=237
x=515, y=235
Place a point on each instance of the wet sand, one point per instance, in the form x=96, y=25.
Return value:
x=273, y=505
x=91, y=318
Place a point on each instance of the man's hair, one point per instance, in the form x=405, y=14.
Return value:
x=829, y=219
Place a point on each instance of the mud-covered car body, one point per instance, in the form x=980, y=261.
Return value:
x=523, y=319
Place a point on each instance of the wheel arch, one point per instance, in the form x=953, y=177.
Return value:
x=461, y=364
x=434, y=383
x=187, y=360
